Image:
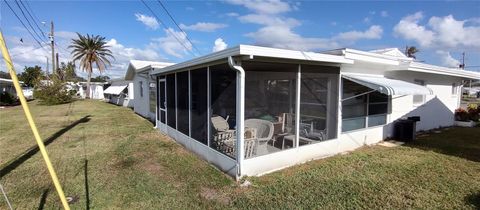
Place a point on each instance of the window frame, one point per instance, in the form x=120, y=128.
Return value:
x=367, y=112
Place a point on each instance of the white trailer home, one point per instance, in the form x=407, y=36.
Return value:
x=120, y=92
x=251, y=110
x=143, y=90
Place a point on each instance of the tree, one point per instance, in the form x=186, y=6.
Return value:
x=31, y=75
x=411, y=51
x=100, y=79
x=66, y=72
x=5, y=75
x=90, y=50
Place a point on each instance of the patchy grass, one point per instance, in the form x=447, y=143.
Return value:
x=109, y=158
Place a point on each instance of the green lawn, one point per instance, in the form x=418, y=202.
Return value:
x=110, y=158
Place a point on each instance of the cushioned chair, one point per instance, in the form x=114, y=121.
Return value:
x=263, y=132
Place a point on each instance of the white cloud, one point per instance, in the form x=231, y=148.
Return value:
x=446, y=59
x=284, y=37
x=384, y=13
x=374, y=32
x=170, y=45
x=232, y=14
x=264, y=7
x=219, y=45
x=148, y=21
x=203, y=26
x=278, y=30
x=439, y=32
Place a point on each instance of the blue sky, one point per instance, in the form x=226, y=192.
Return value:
x=442, y=30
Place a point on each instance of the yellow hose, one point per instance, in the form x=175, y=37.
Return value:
x=13, y=74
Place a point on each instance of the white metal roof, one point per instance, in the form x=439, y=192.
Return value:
x=137, y=66
x=388, y=86
x=256, y=51
x=115, y=89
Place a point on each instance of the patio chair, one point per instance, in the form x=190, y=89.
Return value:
x=264, y=133
x=222, y=134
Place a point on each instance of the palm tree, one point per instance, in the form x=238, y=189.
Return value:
x=410, y=51
x=90, y=50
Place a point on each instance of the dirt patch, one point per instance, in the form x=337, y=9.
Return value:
x=152, y=167
x=214, y=195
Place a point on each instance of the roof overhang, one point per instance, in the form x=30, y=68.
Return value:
x=254, y=51
x=432, y=69
x=388, y=86
x=370, y=57
x=138, y=66
x=115, y=89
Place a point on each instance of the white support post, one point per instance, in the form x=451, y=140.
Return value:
x=240, y=112
x=208, y=107
x=297, y=107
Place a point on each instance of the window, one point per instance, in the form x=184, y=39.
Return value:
x=419, y=99
x=140, y=87
x=362, y=107
x=182, y=102
x=171, y=104
x=198, y=104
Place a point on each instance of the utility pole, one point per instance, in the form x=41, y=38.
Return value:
x=47, y=65
x=463, y=61
x=52, y=42
x=56, y=60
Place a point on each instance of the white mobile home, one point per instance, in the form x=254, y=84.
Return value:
x=96, y=90
x=143, y=87
x=251, y=110
x=120, y=92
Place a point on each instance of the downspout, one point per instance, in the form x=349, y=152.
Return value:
x=240, y=112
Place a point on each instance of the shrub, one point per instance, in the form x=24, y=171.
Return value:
x=7, y=99
x=461, y=115
x=52, y=93
x=473, y=112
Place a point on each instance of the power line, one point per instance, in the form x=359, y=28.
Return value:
x=28, y=21
x=173, y=19
x=40, y=44
x=165, y=26
x=33, y=19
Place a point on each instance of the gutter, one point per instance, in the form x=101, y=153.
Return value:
x=240, y=112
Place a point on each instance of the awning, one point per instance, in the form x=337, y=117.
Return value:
x=388, y=86
x=115, y=89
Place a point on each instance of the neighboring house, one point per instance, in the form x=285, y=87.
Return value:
x=144, y=87
x=120, y=92
x=6, y=85
x=251, y=110
x=96, y=89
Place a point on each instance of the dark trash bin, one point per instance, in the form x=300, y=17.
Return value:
x=405, y=129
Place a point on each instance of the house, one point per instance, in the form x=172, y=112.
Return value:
x=120, y=92
x=96, y=89
x=251, y=110
x=143, y=86
x=6, y=86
